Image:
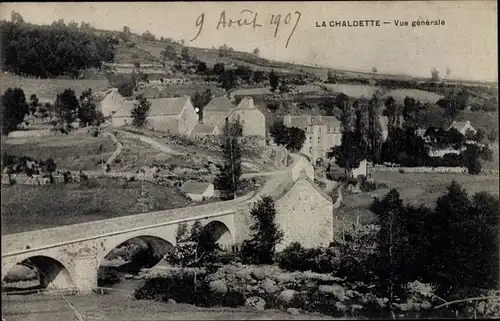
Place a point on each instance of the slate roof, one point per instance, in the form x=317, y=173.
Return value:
x=159, y=107
x=193, y=187
x=219, y=104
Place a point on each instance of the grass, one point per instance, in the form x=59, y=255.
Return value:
x=191, y=89
x=26, y=208
x=422, y=95
x=70, y=152
x=128, y=55
x=118, y=306
x=47, y=89
x=414, y=188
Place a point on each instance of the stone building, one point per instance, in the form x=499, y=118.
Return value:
x=322, y=133
x=172, y=115
x=251, y=118
x=110, y=102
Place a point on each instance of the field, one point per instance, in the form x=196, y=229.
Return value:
x=486, y=121
x=128, y=55
x=191, y=89
x=367, y=91
x=414, y=188
x=70, y=152
x=117, y=306
x=423, y=96
x=26, y=208
x=47, y=89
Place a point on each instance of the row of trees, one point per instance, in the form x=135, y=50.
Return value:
x=291, y=137
x=361, y=134
x=48, y=51
x=67, y=108
x=453, y=247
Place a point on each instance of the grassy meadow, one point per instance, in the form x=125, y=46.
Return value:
x=26, y=208
x=70, y=152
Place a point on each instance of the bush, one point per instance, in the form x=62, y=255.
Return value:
x=296, y=258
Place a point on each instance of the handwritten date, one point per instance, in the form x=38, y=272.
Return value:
x=248, y=18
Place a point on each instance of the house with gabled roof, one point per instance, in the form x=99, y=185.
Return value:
x=250, y=117
x=322, y=133
x=216, y=111
x=171, y=115
x=110, y=101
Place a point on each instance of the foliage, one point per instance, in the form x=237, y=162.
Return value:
x=126, y=88
x=225, y=50
x=140, y=111
x=453, y=247
x=14, y=109
x=256, y=51
x=228, y=79
x=88, y=113
x=201, y=100
x=274, y=80
x=169, y=53
x=148, y=36
x=292, y=138
x=66, y=106
x=185, y=53
x=265, y=233
x=228, y=179
x=48, y=51
x=219, y=68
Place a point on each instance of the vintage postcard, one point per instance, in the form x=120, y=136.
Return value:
x=249, y=160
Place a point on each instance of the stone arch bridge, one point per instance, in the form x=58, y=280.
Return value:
x=69, y=256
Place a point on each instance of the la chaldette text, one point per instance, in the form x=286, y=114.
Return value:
x=348, y=23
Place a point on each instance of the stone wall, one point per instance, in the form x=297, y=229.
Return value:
x=420, y=169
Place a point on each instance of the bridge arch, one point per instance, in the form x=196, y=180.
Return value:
x=218, y=232
x=131, y=255
x=48, y=271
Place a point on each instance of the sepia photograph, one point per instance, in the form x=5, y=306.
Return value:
x=245, y=160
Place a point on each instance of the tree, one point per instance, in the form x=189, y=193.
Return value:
x=201, y=68
x=273, y=80
x=256, y=52
x=126, y=89
x=227, y=80
x=410, y=109
x=374, y=131
x=200, y=101
x=148, y=36
x=14, y=109
x=228, y=179
x=33, y=103
x=471, y=159
x=185, y=53
x=266, y=234
x=331, y=78
x=279, y=132
x=392, y=247
x=88, y=113
x=224, y=50
x=434, y=75
x=140, y=111
x=374, y=70
x=66, y=106
x=296, y=138
x=219, y=68
x=258, y=76
x=390, y=107
x=448, y=72
x=169, y=53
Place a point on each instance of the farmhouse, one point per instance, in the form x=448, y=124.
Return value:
x=251, y=118
x=173, y=115
x=198, y=191
x=463, y=127
x=216, y=111
x=322, y=133
x=111, y=102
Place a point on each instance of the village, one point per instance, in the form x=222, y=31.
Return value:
x=203, y=178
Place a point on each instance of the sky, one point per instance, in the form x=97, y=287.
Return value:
x=466, y=43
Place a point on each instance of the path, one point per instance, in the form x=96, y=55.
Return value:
x=154, y=143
